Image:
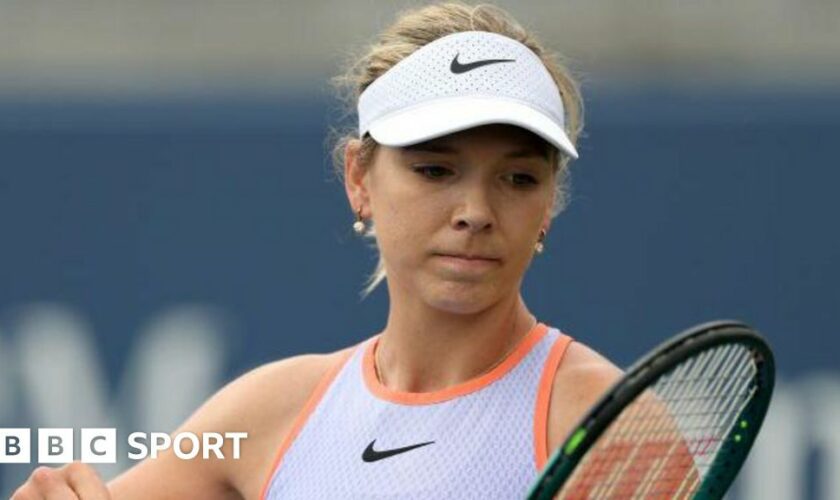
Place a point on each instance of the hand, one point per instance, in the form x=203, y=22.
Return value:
x=74, y=481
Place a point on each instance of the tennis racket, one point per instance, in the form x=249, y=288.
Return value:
x=679, y=424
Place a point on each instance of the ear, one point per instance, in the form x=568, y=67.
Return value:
x=545, y=224
x=355, y=176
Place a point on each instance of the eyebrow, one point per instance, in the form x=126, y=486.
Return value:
x=442, y=148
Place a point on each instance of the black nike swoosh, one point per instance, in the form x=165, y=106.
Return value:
x=371, y=455
x=458, y=68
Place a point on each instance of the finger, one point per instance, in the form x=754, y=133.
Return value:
x=85, y=481
x=49, y=484
x=26, y=492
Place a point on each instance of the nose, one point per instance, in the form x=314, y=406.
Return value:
x=474, y=213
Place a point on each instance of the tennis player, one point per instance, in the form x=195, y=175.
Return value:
x=466, y=128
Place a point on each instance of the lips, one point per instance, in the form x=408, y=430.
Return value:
x=468, y=257
x=467, y=264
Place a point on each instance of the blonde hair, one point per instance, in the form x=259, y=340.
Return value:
x=415, y=28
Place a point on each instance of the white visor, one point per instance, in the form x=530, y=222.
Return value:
x=462, y=81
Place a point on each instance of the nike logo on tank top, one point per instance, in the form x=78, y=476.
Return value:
x=482, y=439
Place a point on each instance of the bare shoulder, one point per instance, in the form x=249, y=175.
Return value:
x=273, y=390
x=583, y=372
x=262, y=403
x=273, y=395
x=580, y=380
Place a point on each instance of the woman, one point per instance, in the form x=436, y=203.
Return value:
x=466, y=127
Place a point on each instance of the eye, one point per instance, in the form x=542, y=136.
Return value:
x=433, y=172
x=522, y=179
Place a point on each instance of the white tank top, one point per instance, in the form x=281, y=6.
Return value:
x=484, y=438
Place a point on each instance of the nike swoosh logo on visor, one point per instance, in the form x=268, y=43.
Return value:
x=371, y=455
x=458, y=67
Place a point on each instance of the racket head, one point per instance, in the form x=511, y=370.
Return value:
x=732, y=447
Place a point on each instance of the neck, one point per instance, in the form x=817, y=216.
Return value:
x=424, y=350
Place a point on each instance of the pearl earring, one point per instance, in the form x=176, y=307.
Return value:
x=539, y=247
x=359, y=225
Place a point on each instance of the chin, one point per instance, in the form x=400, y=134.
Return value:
x=460, y=298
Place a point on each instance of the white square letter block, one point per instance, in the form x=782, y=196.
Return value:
x=55, y=446
x=14, y=446
x=99, y=446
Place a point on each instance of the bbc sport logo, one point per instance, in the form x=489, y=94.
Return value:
x=99, y=445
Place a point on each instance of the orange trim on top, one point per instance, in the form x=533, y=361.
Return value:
x=423, y=398
x=555, y=356
x=304, y=414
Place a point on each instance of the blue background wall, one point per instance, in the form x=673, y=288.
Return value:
x=685, y=207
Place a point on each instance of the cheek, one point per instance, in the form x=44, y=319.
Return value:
x=405, y=222
x=523, y=231
x=524, y=222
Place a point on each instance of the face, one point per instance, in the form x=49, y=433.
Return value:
x=457, y=217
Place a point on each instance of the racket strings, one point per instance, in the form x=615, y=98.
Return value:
x=705, y=448
x=664, y=443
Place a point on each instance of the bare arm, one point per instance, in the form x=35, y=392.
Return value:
x=580, y=381
x=263, y=403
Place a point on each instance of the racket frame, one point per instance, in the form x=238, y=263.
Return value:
x=640, y=376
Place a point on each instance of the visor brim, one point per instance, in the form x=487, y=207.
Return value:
x=446, y=116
